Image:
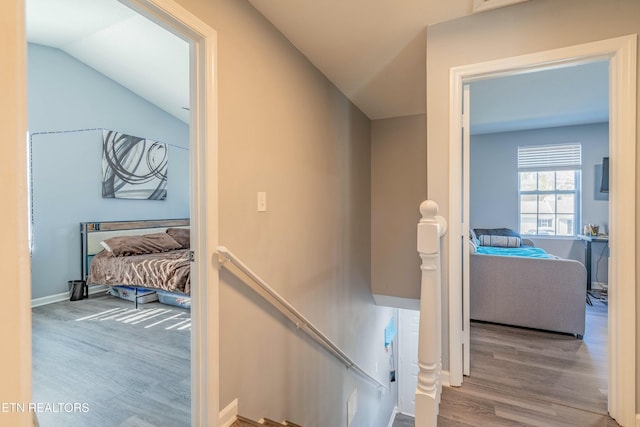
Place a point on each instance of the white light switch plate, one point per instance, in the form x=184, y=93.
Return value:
x=262, y=201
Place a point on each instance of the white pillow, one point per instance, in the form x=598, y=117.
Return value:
x=105, y=246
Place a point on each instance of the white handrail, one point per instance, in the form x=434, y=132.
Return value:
x=295, y=316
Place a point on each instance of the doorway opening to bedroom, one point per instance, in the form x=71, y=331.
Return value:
x=97, y=122
x=620, y=53
x=545, y=135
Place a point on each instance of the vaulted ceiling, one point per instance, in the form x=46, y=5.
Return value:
x=374, y=51
x=119, y=43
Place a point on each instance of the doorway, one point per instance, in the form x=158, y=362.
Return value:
x=621, y=54
x=202, y=201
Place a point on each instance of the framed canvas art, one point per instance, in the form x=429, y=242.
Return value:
x=133, y=167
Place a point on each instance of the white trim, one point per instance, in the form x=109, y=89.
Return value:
x=621, y=53
x=484, y=5
x=393, y=416
x=64, y=296
x=398, y=302
x=445, y=377
x=205, y=352
x=229, y=414
x=456, y=186
x=621, y=351
x=16, y=385
x=465, y=324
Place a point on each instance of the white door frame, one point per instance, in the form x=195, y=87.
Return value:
x=621, y=348
x=203, y=131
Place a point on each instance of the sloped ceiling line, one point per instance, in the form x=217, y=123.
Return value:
x=374, y=51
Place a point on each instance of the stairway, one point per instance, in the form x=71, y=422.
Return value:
x=246, y=422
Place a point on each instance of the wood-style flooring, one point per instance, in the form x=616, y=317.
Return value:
x=129, y=370
x=523, y=377
x=121, y=368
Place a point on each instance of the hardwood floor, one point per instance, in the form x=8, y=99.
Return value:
x=98, y=362
x=132, y=369
x=523, y=377
x=527, y=377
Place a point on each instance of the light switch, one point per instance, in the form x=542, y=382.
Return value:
x=262, y=201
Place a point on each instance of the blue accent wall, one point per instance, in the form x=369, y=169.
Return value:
x=494, y=184
x=65, y=97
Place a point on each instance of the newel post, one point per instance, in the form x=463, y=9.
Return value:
x=430, y=229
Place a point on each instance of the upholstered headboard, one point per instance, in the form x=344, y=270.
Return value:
x=92, y=233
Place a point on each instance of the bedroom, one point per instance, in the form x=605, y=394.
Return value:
x=331, y=155
x=539, y=111
x=70, y=104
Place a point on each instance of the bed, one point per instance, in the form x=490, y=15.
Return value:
x=139, y=260
x=515, y=283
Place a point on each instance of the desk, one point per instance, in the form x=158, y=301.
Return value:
x=588, y=240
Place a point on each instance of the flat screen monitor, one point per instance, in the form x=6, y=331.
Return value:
x=604, y=185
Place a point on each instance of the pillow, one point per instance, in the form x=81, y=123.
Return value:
x=473, y=247
x=181, y=235
x=138, y=245
x=497, y=232
x=500, y=241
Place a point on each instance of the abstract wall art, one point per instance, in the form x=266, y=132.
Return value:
x=133, y=167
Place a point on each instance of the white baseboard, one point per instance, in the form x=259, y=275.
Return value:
x=64, y=296
x=229, y=414
x=393, y=416
x=444, y=377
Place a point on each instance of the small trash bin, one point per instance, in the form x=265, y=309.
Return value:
x=78, y=290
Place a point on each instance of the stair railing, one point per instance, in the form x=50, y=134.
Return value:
x=430, y=229
x=301, y=322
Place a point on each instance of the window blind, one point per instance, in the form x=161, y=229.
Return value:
x=556, y=156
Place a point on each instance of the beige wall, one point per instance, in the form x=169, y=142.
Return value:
x=524, y=28
x=15, y=313
x=398, y=186
x=287, y=131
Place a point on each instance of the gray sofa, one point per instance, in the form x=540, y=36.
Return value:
x=538, y=293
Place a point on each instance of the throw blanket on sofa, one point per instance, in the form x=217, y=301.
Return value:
x=524, y=251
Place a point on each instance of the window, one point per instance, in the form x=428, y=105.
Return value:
x=549, y=189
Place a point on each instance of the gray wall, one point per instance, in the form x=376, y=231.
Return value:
x=398, y=186
x=288, y=131
x=503, y=33
x=65, y=95
x=494, y=183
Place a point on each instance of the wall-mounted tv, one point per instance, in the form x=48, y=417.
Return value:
x=604, y=185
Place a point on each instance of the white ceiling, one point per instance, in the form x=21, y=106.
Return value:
x=124, y=46
x=374, y=51
x=567, y=96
